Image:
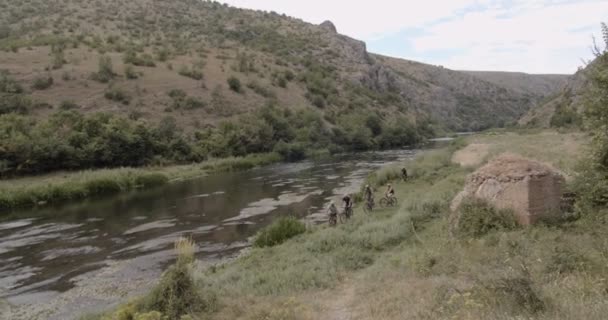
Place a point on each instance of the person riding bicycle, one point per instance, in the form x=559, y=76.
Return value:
x=368, y=194
x=348, y=204
x=404, y=174
x=348, y=201
x=332, y=211
x=390, y=192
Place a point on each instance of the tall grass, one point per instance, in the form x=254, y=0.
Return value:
x=71, y=186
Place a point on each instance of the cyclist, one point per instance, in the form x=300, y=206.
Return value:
x=404, y=174
x=332, y=211
x=368, y=193
x=348, y=204
x=390, y=192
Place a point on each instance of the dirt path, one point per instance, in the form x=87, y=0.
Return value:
x=341, y=302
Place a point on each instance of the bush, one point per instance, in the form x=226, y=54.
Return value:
x=191, y=73
x=290, y=151
x=279, y=232
x=68, y=105
x=130, y=73
x=145, y=60
x=42, y=83
x=477, y=218
x=235, y=84
x=118, y=95
x=176, y=295
x=105, y=71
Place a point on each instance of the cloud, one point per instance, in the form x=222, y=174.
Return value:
x=536, y=36
x=361, y=19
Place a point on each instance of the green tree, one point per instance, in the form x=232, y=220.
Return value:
x=593, y=182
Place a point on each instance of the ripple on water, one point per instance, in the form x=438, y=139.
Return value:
x=268, y=205
x=160, y=224
x=16, y=224
x=67, y=252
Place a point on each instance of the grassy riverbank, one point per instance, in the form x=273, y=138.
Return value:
x=70, y=186
x=401, y=263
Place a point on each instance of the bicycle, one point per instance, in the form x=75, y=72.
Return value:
x=369, y=206
x=333, y=220
x=346, y=214
x=388, y=202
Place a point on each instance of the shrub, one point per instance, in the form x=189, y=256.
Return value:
x=191, y=73
x=564, y=260
x=68, y=105
x=130, y=73
x=235, y=84
x=42, y=83
x=145, y=60
x=514, y=295
x=176, y=295
x=279, y=232
x=290, y=151
x=118, y=95
x=477, y=218
x=261, y=90
x=105, y=71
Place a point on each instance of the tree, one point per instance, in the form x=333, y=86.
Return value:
x=592, y=183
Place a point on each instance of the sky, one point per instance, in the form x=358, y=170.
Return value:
x=533, y=36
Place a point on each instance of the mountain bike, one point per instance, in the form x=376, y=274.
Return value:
x=333, y=220
x=388, y=202
x=346, y=214
x=369, y=206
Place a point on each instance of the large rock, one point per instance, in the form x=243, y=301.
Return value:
x=531, y=189
x=329, y=26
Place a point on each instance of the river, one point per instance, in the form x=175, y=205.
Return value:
x=62, y=262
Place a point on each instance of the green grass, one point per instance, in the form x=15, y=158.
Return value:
x=279, y=232
x=72, y=186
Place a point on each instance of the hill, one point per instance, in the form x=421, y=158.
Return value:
x=534, y=84
x=561, y=109
x=182, y=68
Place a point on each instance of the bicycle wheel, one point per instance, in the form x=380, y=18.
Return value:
x=384, y=203
x=367, y=208
x=343, y=217
x=333, y=221
x=393, y=202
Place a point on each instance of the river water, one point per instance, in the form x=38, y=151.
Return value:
x=61, y=262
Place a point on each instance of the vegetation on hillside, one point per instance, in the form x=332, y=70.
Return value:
x=592, y=184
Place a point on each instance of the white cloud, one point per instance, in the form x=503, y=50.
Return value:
x=361, y=19
x=537, y=36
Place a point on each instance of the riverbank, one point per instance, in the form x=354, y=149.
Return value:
x=72, y=186
x=401, y=263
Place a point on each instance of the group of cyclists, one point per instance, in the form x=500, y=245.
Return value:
x=368, y=195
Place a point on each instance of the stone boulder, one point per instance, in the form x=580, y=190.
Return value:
x=532, y=190
x=329, y=26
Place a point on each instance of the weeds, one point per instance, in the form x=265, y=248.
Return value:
x=279, y=232
x=477, y=218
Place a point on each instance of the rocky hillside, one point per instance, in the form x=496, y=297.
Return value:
x=561, y=109
x=199, y=62
x=533, y=84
